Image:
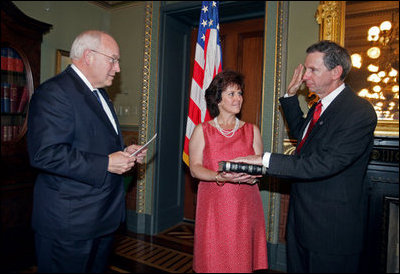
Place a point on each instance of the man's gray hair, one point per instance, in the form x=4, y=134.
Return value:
x=335, y=55
x=86, y=40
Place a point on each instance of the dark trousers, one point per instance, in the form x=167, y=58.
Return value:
x=302, y=260
x=83, y=256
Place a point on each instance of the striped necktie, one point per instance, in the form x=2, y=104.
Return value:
x=106, y=109
x=317, y=113
x=95, y=92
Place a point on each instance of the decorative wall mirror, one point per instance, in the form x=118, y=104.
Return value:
x=370, y=31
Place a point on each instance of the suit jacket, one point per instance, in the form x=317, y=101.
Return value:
x=69, y=140
x=327, y=199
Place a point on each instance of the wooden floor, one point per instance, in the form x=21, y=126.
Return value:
x=171, y=251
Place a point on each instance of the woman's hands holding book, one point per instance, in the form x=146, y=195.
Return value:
x=237, y=178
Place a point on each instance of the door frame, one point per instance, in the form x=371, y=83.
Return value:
x=160, y=198
x=167, y=211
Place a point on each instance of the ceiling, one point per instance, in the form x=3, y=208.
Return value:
x=188, y=11
x=112, y=4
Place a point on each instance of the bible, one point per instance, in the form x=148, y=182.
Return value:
x=242, y=168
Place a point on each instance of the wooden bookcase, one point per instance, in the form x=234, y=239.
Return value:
x=21, y=38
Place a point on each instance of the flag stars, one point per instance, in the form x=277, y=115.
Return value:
x=211, y=60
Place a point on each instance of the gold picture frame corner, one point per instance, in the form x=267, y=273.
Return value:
x=62, y=60
x=387, y=128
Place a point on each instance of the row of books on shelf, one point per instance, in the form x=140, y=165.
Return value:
x=19, y=79
x=11, y=61
x=9, y=132
x=13, y=98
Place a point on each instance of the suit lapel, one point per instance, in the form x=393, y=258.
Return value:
x=92, y=102
x=335, y=106
x=329, y=113
x=98, y=109
x=111, y=106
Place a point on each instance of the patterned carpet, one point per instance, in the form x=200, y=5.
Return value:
x=170, y=251
x=181, y=233
x=153, y=255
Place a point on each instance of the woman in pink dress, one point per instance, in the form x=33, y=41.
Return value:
x=230, y=231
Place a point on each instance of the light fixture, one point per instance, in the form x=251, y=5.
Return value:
x=380, y=64
x=374, y=52
x=356, y=60
x=373, y=68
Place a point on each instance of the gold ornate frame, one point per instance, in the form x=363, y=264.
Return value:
x=330, y=15
x=143, y=127
x=62, y=60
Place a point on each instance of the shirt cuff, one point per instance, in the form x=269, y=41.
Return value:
x=265, y=159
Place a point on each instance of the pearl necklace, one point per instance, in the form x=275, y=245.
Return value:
x=227, y=133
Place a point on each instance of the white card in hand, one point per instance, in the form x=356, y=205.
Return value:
x=144, y=146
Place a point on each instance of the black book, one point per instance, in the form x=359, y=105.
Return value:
x=242, y=168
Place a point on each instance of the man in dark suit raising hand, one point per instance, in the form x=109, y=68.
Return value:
x=327, y=201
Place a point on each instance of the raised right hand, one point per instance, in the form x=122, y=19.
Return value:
x=296, y=81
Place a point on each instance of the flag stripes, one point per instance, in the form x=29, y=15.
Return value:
x=207, y=63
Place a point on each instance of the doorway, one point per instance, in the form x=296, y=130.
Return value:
x=242, y=50
x=178, y=21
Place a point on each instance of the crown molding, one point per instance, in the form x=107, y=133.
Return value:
x=113, y=5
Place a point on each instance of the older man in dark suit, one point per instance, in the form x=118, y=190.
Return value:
x=326, y=212
x=75, y=142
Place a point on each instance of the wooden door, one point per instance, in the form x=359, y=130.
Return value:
x=242, y=45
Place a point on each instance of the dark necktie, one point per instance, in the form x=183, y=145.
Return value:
x=317, y=113
x=95, y=92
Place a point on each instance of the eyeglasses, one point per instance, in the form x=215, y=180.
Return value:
x=113, y=60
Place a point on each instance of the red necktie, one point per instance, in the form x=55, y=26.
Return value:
x=317, y=113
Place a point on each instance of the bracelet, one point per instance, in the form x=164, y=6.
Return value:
x=218, y=182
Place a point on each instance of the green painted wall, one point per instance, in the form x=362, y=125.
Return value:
x=303, y=31
x=69, y=18
x=127, y=27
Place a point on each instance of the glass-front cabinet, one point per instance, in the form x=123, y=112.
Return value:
x=15, y=93
x=21, y=38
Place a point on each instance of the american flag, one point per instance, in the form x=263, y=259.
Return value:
x=207, y=63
